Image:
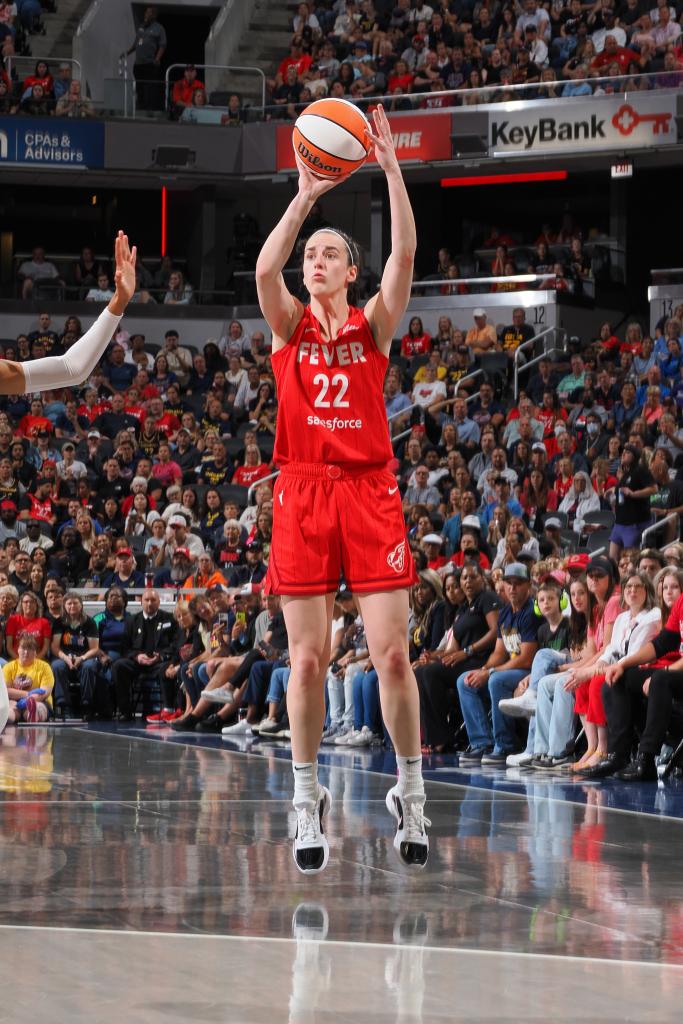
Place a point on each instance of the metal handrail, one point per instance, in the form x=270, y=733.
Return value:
x=32, y=63
x=459, y=383
x=673, y=516
x=539, y=87
x=402, y=435
x=216, y=67
x=455, y=281
x=259, y=482
x=403, y=412
x=532, y=341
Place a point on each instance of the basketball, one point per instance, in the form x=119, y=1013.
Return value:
x=330, y=137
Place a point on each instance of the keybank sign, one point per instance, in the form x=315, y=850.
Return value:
x=595, y=122
x=51, y=142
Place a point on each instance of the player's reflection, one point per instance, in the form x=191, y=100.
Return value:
x=323, y=976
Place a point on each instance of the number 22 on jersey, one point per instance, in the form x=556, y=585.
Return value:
x=340, y=382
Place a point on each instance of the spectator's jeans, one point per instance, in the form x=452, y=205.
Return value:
x=475, y=704
x=278, y=685
x=87, y=677
x=544, y=664
x=554, y=715
x=347, y=719
x=366, y=701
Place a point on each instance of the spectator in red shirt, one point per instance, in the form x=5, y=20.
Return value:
x=165, y=470
x=39, y=504
x=400, y=77
x=297, y=59
x=28, y=619
x=614, y=54
x=33, y=421
x=417, y=341
x=253, y=469
x=92, y=407
x=184, y=89
x=165, y=422
x=41, y=76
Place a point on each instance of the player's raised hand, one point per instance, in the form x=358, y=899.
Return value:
x=382, y=140
x=124, y=275
x=310, y=184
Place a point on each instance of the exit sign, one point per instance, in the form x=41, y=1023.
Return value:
x=622, y=170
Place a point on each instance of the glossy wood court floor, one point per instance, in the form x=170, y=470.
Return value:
x=148, y=877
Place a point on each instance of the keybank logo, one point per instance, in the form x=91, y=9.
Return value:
x=4, y=146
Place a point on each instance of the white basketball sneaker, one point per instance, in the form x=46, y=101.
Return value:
x=411, y=841
x=311, y=850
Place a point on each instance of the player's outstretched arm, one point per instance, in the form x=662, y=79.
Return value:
x=384, y=310
x=78, y=363
x=280, y=308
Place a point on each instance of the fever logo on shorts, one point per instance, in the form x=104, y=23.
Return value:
x=396, y=559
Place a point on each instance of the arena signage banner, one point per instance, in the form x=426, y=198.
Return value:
x=634, y=121
x=417, y=138
x=51, y=142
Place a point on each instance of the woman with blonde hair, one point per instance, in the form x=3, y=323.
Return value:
x=179, y=291
x=86, y=529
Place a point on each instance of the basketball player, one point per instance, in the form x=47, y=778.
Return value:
x=337, y=506
x=74, y=366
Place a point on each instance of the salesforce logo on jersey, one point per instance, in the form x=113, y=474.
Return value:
x=598, y=122
x=49, y=142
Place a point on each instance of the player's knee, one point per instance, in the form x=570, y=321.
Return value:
x=307, y=665
x=394, y=661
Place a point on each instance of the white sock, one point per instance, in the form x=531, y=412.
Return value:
x=410, y=782
x=305, y=784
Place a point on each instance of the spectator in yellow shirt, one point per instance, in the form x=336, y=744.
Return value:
x=29, y=683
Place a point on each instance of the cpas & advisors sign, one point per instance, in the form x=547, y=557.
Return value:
x=634, y=121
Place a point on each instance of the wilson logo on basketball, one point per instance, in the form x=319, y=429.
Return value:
x=314, y=160
x=396, y=559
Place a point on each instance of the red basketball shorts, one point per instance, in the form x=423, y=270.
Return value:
x=327, y=521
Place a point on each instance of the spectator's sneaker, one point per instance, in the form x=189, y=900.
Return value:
x=519, y=707
x=311, y=850
x=542, y=762
x=343, y=738
x=241, y=728
x=473, y=755
x=30, y=711
x=522, y=760
x=495, y=760
x=256, y=729
x=271, y=727
x=330, y=734
x=363, y=738
x=411, y=841
x=162, y=717
x=221, y=695
x=188, y=724
x=212, y=723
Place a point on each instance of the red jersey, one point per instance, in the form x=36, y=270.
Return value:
x=331, y=396
x=415, y=345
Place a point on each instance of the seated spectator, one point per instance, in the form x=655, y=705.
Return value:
x=179, y=292
x=482, y=337
x=183, y=92
x=41, y=77
x=103, y=292
x=151, y=643
x=416, y=342
x=29, y=684
x=75, y=650
x=253, y=469
x=125, y=574
x=72, y=103
x=206, y=574
x=35, y=271
x=28, y=620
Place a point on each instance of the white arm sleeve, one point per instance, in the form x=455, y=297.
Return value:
x=4, y=702
x=77, y=364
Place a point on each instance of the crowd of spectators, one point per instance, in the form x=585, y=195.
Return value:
x=525, y=517
x=41, y=93
x=411, y=51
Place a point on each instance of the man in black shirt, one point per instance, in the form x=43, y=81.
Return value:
x=110, y=423
x=632, y=511
x=151, y=640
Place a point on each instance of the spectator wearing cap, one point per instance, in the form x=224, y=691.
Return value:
x=34, y=537
x=125, y=573
x=10, y=526
x=635, y=485
x=254, y=569
x=432, y=545
x=482, y=337
x=501, y=489
x=70, y=468
x=415, y=55
x=178, y=536
x=184, y=89
x=174, y=575
x=481, y=689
